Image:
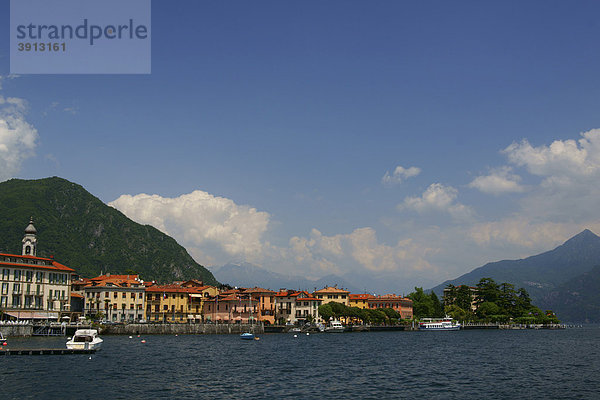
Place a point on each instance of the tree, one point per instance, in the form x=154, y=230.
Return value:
x=487, y=290
x=325, y=311
x=338, y=309
x=487, y=309
x=464, y=297
x=449, y=295
x=423, y=305
x=438, y=307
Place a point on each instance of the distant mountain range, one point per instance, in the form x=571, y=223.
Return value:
x=250, y=275
x=85, y=234
x=551, y=278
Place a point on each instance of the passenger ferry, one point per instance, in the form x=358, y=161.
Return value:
x=446, y=324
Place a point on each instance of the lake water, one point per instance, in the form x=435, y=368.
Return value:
x=377, y=365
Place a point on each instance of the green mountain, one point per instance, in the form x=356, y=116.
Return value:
x=85, y=234
x=577, y=300
x=542, y=273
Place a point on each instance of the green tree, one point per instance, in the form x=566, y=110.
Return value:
x=338, y=309
x=325, y=311
x=423, y=305
x=486, y=309
x=464, y=297
x=487, y=290
x=438, y=307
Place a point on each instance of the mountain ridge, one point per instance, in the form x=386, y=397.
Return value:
x=82, y=232
x=541, y=273
x=248, y=275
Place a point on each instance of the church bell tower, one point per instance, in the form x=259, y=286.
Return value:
x=30, y=240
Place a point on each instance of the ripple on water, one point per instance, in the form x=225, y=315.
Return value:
x=378, y=365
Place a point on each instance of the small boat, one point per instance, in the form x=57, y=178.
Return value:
x=334, y=326
x=247, y=336
x=2, y=340
x=446, y=324
x=85, y=339
x=295, y=330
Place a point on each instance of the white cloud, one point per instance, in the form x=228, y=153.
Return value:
x=399, y=174
x=7, y=77
x=17, y=137
x=438, y=197
x=522, y=232
x=562, y=158
x=499, y=181
x=359, y=250
x=214, y=229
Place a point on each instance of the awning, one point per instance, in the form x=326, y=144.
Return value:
x=32, y=314
x=196, y=295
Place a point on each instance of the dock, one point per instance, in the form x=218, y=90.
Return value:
x=43, y=352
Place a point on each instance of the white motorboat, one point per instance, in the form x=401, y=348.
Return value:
x=85, y=339
x=2, y=340
x=334, y=326
x=446, y=324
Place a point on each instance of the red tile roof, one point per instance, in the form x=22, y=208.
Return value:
x=331, y=289
x=55, y=265
x=360, y=296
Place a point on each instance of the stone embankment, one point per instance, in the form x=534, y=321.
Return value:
x=179, y=329
x=16, y=330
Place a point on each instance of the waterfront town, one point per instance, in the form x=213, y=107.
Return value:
x=41, y=289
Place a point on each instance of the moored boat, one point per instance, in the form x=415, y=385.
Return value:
x=2, y=340
x=446, y=324
x=85, y=339
x=334, y=326
x=247, y=336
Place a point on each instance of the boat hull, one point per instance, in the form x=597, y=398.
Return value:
x=84, y=346
x=452, y=328
x=247, y=336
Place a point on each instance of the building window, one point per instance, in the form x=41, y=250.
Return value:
x=16, y=301
x=5, y=288
x=29, y=276
x=17, y=275
x=5, y=274
x=132, y=295
x=4, y=301
x=39, y=276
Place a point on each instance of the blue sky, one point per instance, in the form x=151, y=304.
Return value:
x=266, y=129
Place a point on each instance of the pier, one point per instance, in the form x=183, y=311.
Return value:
x=43, y=352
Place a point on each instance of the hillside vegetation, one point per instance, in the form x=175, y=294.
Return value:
x=83, y=233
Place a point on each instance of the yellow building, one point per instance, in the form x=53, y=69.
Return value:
x=332, y=293
x=359, y=300
x=119, y=297
x=180, y=303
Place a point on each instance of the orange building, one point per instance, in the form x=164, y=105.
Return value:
x=402, y=305
x=232, y=306
x=265, y=299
